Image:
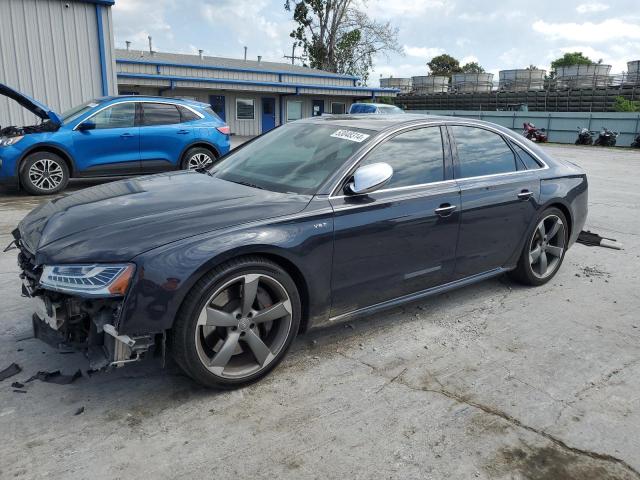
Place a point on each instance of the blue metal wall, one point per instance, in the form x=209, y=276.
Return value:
x=561, y=126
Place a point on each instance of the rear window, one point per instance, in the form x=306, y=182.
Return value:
x=362, y=108
x=529, y=162
x=159, y=114
x=187, y=115
x=481, y=152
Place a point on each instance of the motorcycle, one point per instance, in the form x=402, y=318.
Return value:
x=530, y=131
x=607, y=138
x=636, y=142
x=585, y=136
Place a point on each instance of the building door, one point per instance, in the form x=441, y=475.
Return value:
x=217, y=104
x=268, y=114
x=318, y=108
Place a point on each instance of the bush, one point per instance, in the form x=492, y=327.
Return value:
x=621, y=104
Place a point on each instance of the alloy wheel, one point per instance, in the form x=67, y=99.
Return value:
x=243, y=326
x=199, y=161
x=547, y=246
x=46, y=174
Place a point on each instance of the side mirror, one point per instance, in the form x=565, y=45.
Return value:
x=368, y=178
x=87, y=125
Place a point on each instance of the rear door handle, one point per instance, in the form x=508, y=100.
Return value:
x=182, y=132
x=445, y=210
x=126, y=135
x=525, y=195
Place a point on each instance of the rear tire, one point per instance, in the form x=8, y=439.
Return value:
x=44, y=173
x=237, y=323
x=198, y=158
x=544, y=250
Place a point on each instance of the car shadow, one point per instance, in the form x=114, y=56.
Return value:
x=150, y=389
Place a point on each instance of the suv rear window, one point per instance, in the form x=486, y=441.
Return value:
x=159, y=114
x=187, y=115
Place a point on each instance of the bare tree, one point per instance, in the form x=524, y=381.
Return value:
x=338, y=36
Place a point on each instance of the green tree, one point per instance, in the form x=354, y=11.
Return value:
x=444, y=65
x=573, y=58
x=338, y=36
x=621, y=104
x=472, y=67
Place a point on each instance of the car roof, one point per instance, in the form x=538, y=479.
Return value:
x=185, y=101
x=373, y=104
x=385, y=121
x=376, y=122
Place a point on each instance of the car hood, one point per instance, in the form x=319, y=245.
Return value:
x=35, y=107
x=117, y=221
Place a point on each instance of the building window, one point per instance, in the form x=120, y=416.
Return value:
x=294, y=110
x=245, y=109
x=338, y=108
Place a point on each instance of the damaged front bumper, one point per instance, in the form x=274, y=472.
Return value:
x=89, y=324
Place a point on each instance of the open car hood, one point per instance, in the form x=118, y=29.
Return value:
x=35, y=107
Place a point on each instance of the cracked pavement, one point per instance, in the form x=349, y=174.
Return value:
x=495, y=381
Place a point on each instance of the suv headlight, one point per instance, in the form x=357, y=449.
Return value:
x=6, y=141
x=106, y=280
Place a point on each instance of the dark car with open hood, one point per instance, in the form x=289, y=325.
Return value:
x=317, y=221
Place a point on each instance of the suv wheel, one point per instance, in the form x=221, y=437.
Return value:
x=237, y=323
x=197, y=158
x=44, y=173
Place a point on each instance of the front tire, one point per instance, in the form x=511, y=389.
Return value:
x=44, y=173
x=236, y=323
x=544, y=249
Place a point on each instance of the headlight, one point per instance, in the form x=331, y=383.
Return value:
x=6, y=141
x=110, y=280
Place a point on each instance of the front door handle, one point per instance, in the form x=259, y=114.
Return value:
x=126, y=135
x=182, y=132
x=525, y=195
x=445, y=210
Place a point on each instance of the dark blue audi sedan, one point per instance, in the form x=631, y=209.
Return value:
x=109, y=136
x=317, y=221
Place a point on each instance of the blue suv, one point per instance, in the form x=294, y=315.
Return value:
x=121, y=135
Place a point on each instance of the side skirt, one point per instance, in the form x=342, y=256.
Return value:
x=463, y=282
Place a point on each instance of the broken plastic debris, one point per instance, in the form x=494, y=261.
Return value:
x=55, y=377
x=591, y=239
x=17, y=385
x=79, y=411
x=10, y=371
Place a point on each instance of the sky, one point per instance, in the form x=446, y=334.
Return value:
x=499, y=35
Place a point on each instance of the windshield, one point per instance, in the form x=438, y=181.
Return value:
x=390, y=109
x=362, y=108
x=295, y=158
x=75, y=112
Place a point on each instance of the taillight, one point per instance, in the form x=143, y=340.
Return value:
x=225, y=130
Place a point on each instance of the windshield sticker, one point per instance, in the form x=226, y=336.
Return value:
x=350, y=135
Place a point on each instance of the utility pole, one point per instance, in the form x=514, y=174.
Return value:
x=293, y=55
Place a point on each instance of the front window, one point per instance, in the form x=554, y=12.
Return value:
x=245, y=109
x=120, y=115
x=77, y=111
x=294, y=110
x=338, y=108
x=297, y=157
x=416, y=156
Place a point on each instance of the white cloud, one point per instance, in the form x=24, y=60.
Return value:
x=397, y=8
x=468, y=59
x=592, y=7
x=611, y=29
x=426, y=53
